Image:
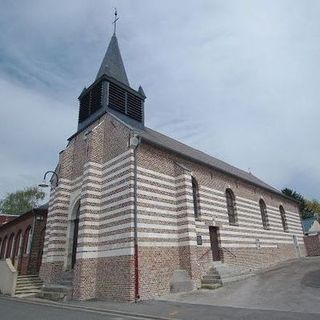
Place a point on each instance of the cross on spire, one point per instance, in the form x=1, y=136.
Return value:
x=115, y=21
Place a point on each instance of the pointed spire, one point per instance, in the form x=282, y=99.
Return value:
x=112, y=64
x=140, y=90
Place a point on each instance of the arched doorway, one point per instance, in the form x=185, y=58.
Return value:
x=73, y=236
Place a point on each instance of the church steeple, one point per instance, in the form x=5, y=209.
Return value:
x=112, y=64
x=111, y=92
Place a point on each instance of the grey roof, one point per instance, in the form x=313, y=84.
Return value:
x=168, y=143
x=112, y=64
x=44, y=206
x=307, y=223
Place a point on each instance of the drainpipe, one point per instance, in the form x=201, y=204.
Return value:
x=134, y=143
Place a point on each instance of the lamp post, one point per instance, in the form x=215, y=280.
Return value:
x=44, y=184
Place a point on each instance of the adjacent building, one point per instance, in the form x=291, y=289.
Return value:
x=22, y=239
x=132, y=205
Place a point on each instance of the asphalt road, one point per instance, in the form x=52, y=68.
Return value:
x=16, y=309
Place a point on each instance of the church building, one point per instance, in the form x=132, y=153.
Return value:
x=131, y=206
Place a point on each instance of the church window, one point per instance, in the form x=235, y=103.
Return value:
x=283, y=219
x=3, y=247
x=264, y=214
x=195, y=195
x=231, y=207
x=10, y=245
x=27, y=241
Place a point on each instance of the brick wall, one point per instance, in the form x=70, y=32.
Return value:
x=312, y=243
x=97, y=167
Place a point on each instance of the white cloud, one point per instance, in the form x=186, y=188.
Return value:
x=238, y=80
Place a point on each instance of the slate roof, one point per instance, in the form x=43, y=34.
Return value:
x=307, y=223
x=112, y=64
x=175, y=146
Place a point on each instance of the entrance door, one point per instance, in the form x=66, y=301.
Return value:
x=214, y=240
x=75, y=242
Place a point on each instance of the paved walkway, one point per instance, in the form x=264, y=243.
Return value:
x=293, y=286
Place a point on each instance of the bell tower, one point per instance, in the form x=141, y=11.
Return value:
x=111, y=92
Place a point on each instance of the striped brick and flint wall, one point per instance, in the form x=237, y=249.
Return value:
x=97, y=167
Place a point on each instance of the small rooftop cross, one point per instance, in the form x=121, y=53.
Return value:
x=115, y=21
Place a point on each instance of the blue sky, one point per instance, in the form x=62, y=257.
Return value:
x=236, y=79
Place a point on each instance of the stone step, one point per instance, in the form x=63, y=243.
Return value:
x=54, y=296
x=216, y=281
x=220, y=274
x=236, y=278
x=211, y=277
x=28, y=290
x=56, y=288
x=29, y=281
x=27, y=295
x=56, y=292
x=28, y=276
x=211, y=286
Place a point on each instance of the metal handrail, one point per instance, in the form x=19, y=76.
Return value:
x=224, y=248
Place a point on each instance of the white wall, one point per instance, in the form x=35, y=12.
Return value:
x=8, y=277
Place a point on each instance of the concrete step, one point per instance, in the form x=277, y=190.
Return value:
x=29, y=281
x=211, y=286
x=31, y=291
x=236, y=278
x=56, y=292
x=27, y=295
x=211, y=277
x=28, y=276
x=56, y=288
x=205, y=282
x=221, y=274
x=35, y=285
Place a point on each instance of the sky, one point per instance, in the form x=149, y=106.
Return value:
x=238, y=80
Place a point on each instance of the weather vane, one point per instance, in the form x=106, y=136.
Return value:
x=115, y=21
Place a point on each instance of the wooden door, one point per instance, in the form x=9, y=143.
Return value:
x=75, y=242
x=214, y=240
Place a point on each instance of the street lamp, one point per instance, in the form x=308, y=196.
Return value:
x=44, y=184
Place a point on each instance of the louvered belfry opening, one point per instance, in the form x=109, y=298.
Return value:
x=125, y=102
x=107, y=95
x=90, y=101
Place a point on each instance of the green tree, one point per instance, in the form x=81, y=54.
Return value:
x=305, y=210
x=21, y=201
x=314, y=206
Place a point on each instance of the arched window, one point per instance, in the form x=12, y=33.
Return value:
x=231, y=206
x=195, y=195
x=17, y=244
x=3, y=247
x=264, y=214
x=27, y=240
x=9, y=247
x=283, y=219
